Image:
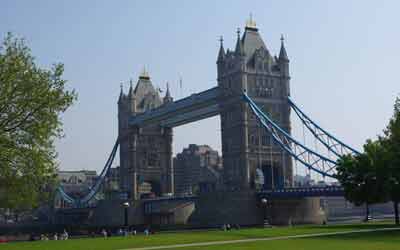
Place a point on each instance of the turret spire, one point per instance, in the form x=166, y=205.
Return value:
x=221, y=53
x=131, y=92
x=282, y=54
x=121, y=94
x=167, y=94
x=239, y=47
x=168, y=97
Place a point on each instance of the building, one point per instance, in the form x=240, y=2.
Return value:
x=71, y=178
x=247, y=148
x=197, y=169
x=303, y=181
x=111, y=185
x=76, y=184
x=145, y=152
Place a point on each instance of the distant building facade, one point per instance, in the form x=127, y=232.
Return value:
x=303, y=181
x=197, y=169
x=76, y=184
x=111, y=186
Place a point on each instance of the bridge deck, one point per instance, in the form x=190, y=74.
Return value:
x=192, y=108
x=302, y=192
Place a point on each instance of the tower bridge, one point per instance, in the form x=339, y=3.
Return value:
x=252, y=98
x=146, y=121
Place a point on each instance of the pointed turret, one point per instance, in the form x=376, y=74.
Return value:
x=167, y=97
x=239, y=47
x=251, y=40
x=131, y=94
x=121, y=95
x=283, y=61
x=131, y=98
x=282, y=54
x=221, y=53
x=145, y=95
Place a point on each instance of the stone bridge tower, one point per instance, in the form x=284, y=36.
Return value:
x=250, y=157
x=145, y=152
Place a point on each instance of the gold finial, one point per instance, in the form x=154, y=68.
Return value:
x=250, y=23
x=144, y=73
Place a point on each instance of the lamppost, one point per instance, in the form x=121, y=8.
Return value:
x=264, y=203
x=126, y=206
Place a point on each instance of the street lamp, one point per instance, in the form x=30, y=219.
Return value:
x=264, y=203
x=126, y=206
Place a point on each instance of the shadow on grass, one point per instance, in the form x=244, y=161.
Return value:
x=386, y=236
x=358, y=226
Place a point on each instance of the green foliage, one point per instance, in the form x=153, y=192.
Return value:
x=362, y=175
x=374, y=176
x=392, y=144
x=31, y=101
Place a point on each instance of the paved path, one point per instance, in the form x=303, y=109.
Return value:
x=211, y=243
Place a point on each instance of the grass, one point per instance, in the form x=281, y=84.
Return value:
x=365, y=241
x=356, y=241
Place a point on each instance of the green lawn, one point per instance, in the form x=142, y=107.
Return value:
x=365, y=241
x=356, y=241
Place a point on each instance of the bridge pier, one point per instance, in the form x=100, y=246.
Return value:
x=294, y=211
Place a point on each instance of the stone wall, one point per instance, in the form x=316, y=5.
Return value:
x=295, y=211
x=216, y=209
x=111, y=213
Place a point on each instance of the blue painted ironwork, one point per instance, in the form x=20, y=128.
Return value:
x=187, y=117
x=302, y=192
x=95, y=188
x=333, y=144
x=183, y=106
x=308, y=157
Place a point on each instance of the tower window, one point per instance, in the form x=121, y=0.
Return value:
x=265, y=140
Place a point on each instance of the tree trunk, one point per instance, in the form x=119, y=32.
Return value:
x=396, y=212
x=366, y=212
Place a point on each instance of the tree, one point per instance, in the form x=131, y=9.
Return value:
x=391, y=141
x=31, y=102
x=362, y=175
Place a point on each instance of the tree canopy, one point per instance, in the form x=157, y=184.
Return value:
x=391, y=142
x=358, y=175
x=31, y=102
x=374, y=175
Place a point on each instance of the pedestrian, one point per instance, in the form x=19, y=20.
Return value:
x=65, y=235
x=104, y=233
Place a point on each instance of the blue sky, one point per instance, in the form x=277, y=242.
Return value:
x=344, y=59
